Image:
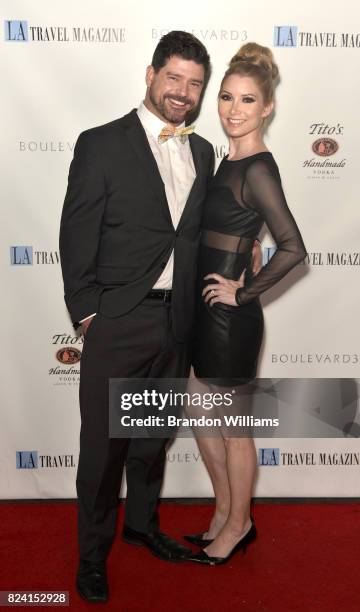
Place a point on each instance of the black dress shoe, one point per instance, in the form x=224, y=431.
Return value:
x=91, y=582
x=159, y=544
x=205, y=559
x=198, y=539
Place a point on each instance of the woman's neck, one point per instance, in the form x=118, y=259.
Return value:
x=244, y=147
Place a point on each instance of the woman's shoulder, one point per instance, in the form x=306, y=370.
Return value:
x=261, y=164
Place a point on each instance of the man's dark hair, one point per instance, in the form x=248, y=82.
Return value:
x=182, y=44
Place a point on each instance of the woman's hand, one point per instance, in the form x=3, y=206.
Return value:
x=223, y=291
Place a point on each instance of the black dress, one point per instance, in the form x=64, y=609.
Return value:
x=242, y=196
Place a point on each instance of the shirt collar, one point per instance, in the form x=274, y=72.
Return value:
x=151, y=122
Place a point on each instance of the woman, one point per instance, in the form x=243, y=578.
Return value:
x=245, y=193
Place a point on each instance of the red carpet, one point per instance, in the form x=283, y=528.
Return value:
x=306, y=558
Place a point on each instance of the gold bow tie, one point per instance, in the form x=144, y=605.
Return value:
x=169, y=131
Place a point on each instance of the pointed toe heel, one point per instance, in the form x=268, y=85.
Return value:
x=205, y=559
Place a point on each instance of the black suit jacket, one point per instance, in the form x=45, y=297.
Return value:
x=116, y=231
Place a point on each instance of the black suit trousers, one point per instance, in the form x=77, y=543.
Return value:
x=139, y=344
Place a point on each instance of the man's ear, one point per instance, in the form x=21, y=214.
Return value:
x=149, y=75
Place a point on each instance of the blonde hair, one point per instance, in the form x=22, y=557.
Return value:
x=253, y=60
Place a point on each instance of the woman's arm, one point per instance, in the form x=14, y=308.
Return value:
x=263, y=191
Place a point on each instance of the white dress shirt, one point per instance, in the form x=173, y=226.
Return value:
x=175, y=162
x=176, y=166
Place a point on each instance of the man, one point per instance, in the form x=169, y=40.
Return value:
x=128, y=243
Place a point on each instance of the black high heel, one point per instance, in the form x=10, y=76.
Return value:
x=198, y=539
x=205, y=559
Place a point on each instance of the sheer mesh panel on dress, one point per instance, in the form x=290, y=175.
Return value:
x=261, y=190
x=225, y=242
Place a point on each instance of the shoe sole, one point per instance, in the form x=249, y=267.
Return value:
x=134, y=542
x=167, y=560
x=95, y=601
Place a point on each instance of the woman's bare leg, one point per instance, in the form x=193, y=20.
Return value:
x=241, y=470
x=213, y=452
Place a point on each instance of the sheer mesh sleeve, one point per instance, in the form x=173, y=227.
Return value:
x=263, y=192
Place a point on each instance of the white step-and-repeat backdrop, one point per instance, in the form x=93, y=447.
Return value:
x=67, y=66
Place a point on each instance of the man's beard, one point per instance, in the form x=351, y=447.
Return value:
x=168, y=114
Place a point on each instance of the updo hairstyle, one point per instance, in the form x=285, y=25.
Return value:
x=253, y=60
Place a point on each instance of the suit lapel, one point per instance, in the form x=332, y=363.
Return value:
x=138, y=140
x=197, y=158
